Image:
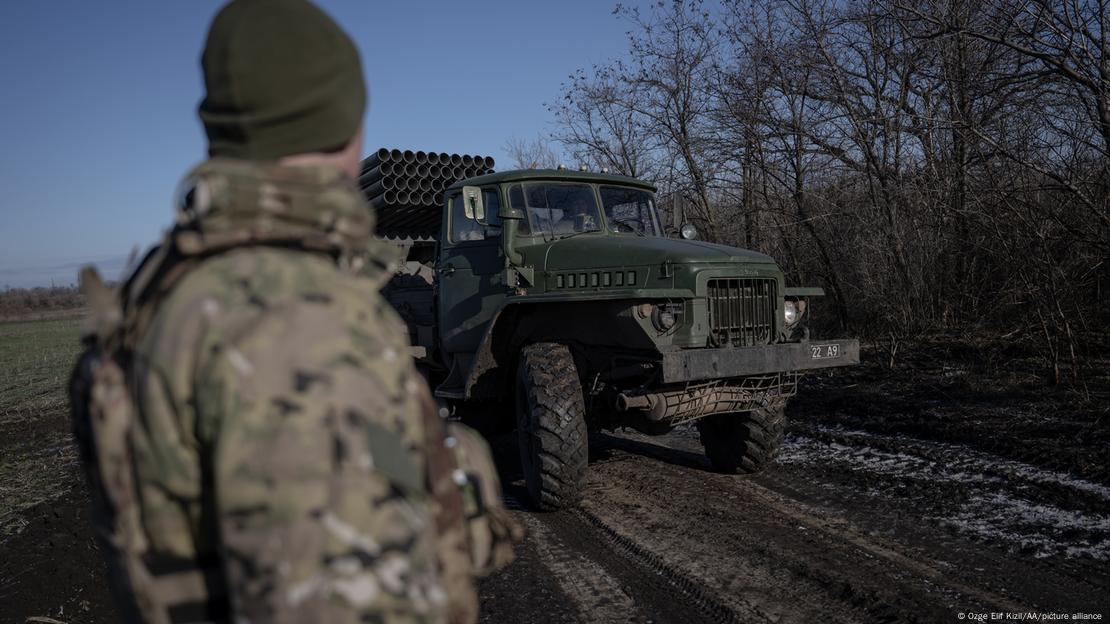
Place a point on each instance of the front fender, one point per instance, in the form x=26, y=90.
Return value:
x=507, y=331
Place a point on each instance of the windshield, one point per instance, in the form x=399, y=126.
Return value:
x=629, y=211
x=558, y=210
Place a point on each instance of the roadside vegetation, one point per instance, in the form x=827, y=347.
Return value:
x=38, y=303
x=935, y=166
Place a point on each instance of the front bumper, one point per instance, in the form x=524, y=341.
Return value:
x=704, y=364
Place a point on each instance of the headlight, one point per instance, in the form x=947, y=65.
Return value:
x=665, y=316
x=790, y=312
x=688, y=231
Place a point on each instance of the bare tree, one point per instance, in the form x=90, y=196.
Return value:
x=531, y=153
x=934, y=164
x=597, y=123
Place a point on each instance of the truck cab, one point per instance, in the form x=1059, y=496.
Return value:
x=558, y=305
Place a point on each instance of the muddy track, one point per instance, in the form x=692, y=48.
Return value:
x=839, y=531
x=853, y=523
x=610, y=578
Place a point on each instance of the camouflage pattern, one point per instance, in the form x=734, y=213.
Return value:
x=259, y=444
x=491, y=532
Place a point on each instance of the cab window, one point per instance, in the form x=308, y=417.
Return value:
x=465, y=229
x=559, y=210
x=629, y=211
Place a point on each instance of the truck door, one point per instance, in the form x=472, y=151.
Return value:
x=471, y=272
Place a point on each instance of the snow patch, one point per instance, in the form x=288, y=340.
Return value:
x=994, y=510
x=1043, y=530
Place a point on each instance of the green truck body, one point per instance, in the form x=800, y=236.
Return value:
x=539, y=276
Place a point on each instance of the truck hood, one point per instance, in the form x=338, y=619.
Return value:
x=589, y=251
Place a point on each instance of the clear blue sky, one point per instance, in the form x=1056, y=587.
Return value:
x=99, y=104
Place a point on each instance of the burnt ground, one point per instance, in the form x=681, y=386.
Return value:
x=941, y=487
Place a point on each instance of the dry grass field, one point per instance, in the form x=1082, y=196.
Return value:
x=36, y=452
x=49, y=563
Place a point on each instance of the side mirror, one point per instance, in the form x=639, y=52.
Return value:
x=688, y=231
x=472, y=203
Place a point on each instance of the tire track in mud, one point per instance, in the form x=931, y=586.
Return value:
x=889, y=552
x=809, y=540
x=595, y=593
x=695, y=593
x=892, y=524
x=610, y=579
x=796, y=550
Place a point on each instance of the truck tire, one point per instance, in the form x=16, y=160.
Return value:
x=744, y=442
x=551, y=426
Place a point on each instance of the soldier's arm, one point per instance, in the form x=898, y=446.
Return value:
x=317, y=470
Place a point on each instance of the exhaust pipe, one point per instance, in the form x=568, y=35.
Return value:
x=627, y=402
x=653, y=406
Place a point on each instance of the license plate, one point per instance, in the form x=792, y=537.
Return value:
x=824, y=351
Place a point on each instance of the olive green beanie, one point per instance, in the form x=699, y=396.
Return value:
x=282, y=78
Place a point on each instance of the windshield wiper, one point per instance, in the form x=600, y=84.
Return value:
x=573, y=234
x=628, y=224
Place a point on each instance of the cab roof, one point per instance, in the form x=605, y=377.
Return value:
x=423, y=222
x=533, y=175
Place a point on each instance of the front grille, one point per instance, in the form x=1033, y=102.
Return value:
x=741, y=311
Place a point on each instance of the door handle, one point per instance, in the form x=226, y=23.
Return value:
x=446, y=269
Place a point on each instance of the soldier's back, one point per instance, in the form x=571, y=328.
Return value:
x=276, y=446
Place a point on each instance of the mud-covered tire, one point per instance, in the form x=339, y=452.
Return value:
x=743, y=443
x=551, y=426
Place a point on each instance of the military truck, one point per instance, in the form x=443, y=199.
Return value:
x=551, y=299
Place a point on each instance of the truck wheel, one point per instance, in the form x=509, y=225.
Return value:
x=745, y=442
x=551, y=426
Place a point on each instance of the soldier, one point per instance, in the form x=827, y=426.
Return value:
x=258, y=445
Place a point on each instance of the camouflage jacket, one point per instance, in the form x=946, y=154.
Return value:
x=279, y=459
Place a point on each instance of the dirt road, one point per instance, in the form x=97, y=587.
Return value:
x=849, y=527
x=917, y=494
